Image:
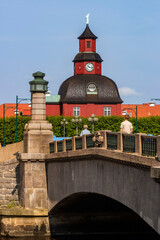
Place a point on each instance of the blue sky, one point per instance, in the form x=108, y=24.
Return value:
x=41, y=35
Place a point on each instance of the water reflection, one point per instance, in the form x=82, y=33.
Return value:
x=96, y=214
x=111, y=236
x=94, y=217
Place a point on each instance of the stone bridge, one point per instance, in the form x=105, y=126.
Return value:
x=54, y=180
x=114, y=176
x=131, y=179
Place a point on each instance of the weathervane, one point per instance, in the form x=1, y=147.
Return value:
x=87, y=17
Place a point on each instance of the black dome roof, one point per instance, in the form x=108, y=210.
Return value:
x=87, y=34
x=84, y=56
x=74, y=90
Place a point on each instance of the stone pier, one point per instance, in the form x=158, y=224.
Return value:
x=30, y=218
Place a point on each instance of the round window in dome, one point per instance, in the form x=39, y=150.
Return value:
x=92, y=89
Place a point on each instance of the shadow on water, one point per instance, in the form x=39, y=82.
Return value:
x=87, y=216
x=91, y=237
x=93, y=216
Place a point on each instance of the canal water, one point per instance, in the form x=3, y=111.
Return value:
x=92, y=237
x=94, y=217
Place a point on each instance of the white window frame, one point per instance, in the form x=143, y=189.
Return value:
x=76, y=111
x=107, y=111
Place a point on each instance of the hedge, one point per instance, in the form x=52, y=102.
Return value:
x=10, y=129
x=149, y=125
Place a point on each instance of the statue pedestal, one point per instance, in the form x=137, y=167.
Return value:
x=32, y=220
x=33, y=194
x=37, y=136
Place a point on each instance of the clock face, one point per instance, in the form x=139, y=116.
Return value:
x=89, y=67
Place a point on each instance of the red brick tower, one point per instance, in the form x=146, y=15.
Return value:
x=87, y=91
x=87, y=61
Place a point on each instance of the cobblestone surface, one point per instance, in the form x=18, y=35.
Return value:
x=9, y=182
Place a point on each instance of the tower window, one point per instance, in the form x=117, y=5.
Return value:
x=107, y=111
x=76, y=111
x=88, y=44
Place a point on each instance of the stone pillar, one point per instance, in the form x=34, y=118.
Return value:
x=73, y=143
x=138, y=143
x=120, y=141
x=64, y=145
x=33, y=190
x=158, y=148
x=55, y=147
x=84, y=143
x=38, y=110
x=104, y=134
x=37, y=137
x=38, y=134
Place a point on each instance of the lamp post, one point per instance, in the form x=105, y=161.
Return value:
x=18, y=100
x=135, y=111
x=38, y=131
x=76, y=120
x=64, y=123
x=93, y=120
x=4, y=123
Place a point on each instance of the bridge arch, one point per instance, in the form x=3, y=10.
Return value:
x=85, y=212
x=127, y=183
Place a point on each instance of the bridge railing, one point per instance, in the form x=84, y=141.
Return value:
x=128, y=143
x=149, y=146
x=78, y=143
x=140, y=143
x=112, y=140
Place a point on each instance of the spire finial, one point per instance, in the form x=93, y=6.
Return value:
x=87, y=18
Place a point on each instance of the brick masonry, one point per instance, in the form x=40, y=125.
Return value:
x=19, y=222
x=9, y=182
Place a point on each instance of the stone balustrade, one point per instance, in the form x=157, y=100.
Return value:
x=139, y=144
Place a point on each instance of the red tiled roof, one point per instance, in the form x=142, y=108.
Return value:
x=143, y=110
x=10, y=109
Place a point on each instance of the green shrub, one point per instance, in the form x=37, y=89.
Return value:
x=12, y=203
x=148, y=125
x=10, y=129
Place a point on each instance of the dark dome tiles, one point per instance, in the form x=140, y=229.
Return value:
x=73, y=90
x=87, y=57
x=87, y=34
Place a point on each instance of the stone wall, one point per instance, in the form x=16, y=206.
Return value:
x=9, y=150
x=9, y=182
x=19, y=222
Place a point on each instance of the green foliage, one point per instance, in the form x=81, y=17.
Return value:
x=11, y=204
x=148, y=125
x=10, y=129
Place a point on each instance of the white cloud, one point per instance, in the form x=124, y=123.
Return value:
x=126, y=91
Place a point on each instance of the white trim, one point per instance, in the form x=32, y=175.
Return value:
x=107, y=111
x=76, y=111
